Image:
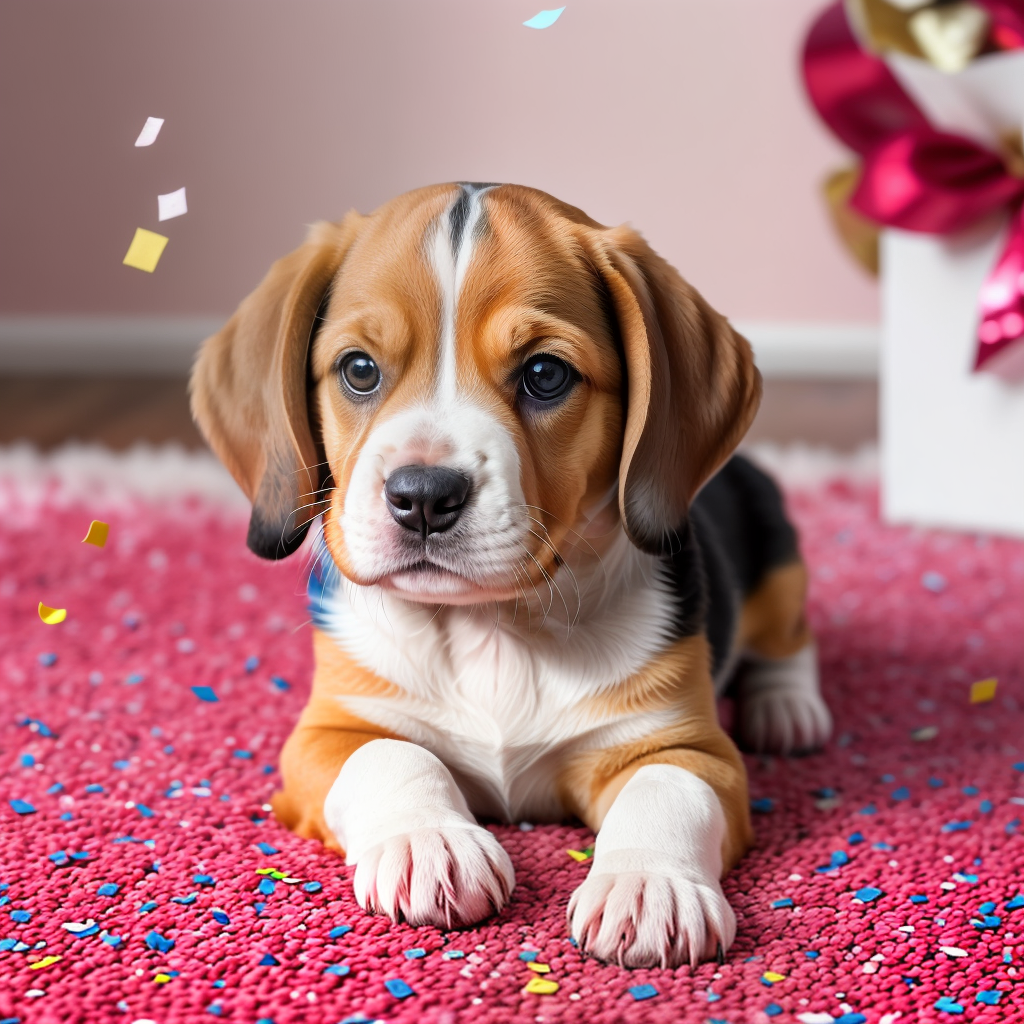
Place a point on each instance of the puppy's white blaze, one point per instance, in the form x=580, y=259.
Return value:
x=450, y=268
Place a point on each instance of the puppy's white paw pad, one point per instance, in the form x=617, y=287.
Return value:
x=446, y=877
x=648, y=919
x=781, y=721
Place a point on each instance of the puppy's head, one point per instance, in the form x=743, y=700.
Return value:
x=459, y=380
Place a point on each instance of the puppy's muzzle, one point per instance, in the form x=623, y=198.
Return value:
x=427, y=499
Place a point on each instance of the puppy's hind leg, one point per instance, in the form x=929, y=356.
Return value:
x=779, y=707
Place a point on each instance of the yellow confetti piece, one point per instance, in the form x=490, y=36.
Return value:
x=47, y=961
x=145, y=251
x=161, y=979
x=773, y=976
x=51, y=616
x=983, y=690
x=578, y=855
x=539, y=968
x=541, y=987
x=97, y=534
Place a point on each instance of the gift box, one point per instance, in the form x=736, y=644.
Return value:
x=935, y=116
x=952, y=440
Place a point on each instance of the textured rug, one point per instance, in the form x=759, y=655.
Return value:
x=142, y=878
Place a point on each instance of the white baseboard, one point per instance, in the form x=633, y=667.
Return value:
x=167, y=345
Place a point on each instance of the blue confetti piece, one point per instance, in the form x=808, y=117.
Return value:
x=851, y=1018
x=882, y=846
x=145, y=811
x=457, y=954
x=47, y=658
x=94, y=787
x=987, y=908
x=948, y=1005
x=762, y=805
x=220, y=983
x=936, y=783
x=901, y=794
x=169, y=749
x=147, y=907
x=207, y=880
x=215, y=1008
x=60, y=858
x=780, y=904
x=855, y=838
x=888, y=777
x=134, y=679
x=773, y=1009
x=269, y=960
x=340, y=970
x=56, y=788
x=839, y=858
x=1011, y=826
x=267, y=849
x=108, y=889
x=528, y=955
x=868, y=894
x=280, y=684
x=988, y=922
x=268, y=769
x=113, y=940
x=870, y=809
x=959, y=876
x=266, y=886
x=6, y=944
x=337, y=932
x=811, y=954
x=259, y=908
x=544, y=19
x=918, y=898
x=933, y=581
x=21, y=916
x=244, y=755
x=985, y=807
x=252, y=663
x=398, y=988
x=206, y=694
x=265, y=1020
x=312, y=887
x=956, y=826
x=10, y=1020
x=122, y=765
x=27, y=760
x=185, y=901
x=159, y=942
x=22, y=807
x=414, y=954
x=990, y=997
x=1019, y=766
x=1016, y=903
x=220, y=917
x=67, y=816
x=85, y=933
x=970, y=791
x=642, y=992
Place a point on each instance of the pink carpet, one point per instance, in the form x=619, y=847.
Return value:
x=150, y=822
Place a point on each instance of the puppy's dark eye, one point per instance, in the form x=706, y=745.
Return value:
x=359, y=373
x=547, y=378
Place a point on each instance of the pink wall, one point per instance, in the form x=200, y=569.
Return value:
x=684, y=117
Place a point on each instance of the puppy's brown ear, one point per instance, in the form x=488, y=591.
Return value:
x=692, y=386
x=250, y=393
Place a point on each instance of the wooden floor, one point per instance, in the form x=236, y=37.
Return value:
x=118, y=411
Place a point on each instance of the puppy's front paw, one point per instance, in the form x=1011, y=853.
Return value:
x=448, y=877
x=659, y=917
x=783, y=721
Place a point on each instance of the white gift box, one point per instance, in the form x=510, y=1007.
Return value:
x=952, y=440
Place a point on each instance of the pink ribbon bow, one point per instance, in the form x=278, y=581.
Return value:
x=913, y=176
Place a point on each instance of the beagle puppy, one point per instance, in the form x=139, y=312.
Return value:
x=501, y=414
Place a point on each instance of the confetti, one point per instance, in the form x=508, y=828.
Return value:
x=150, y=130
x=762, y=805
x=544, y=19
x=956, y=826
x=21, y=916
x=341, y=970
x=933, y=581
x=398, y=988
x=280, y=684
x=159, y=942
x=47, y=961
x=786, y=901
x=269, y=960
x=97, y=533
x=1016, y=903
x=983, y=690
x=539, y=968
x=171, y=205
x=772, y=977
x=953, y=951
x=947, y=1005
x=457, y=954
x=541, y=987
x=641, y=992
x=22, y=807
x=108, y=889
x=267, y=849
x=312, y=887
x=52, y=616
x=145, y=251
x=205, y=693
x=868, y=894
x=414, y=954
x=990, y=997
x=578, y=855
x=528, y=955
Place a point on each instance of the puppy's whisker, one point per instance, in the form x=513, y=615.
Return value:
x=572, y=576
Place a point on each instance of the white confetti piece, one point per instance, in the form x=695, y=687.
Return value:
x=171, y=205
x=150, y=130
x=954, y=951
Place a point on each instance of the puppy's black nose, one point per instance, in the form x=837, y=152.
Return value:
x=428, y=499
